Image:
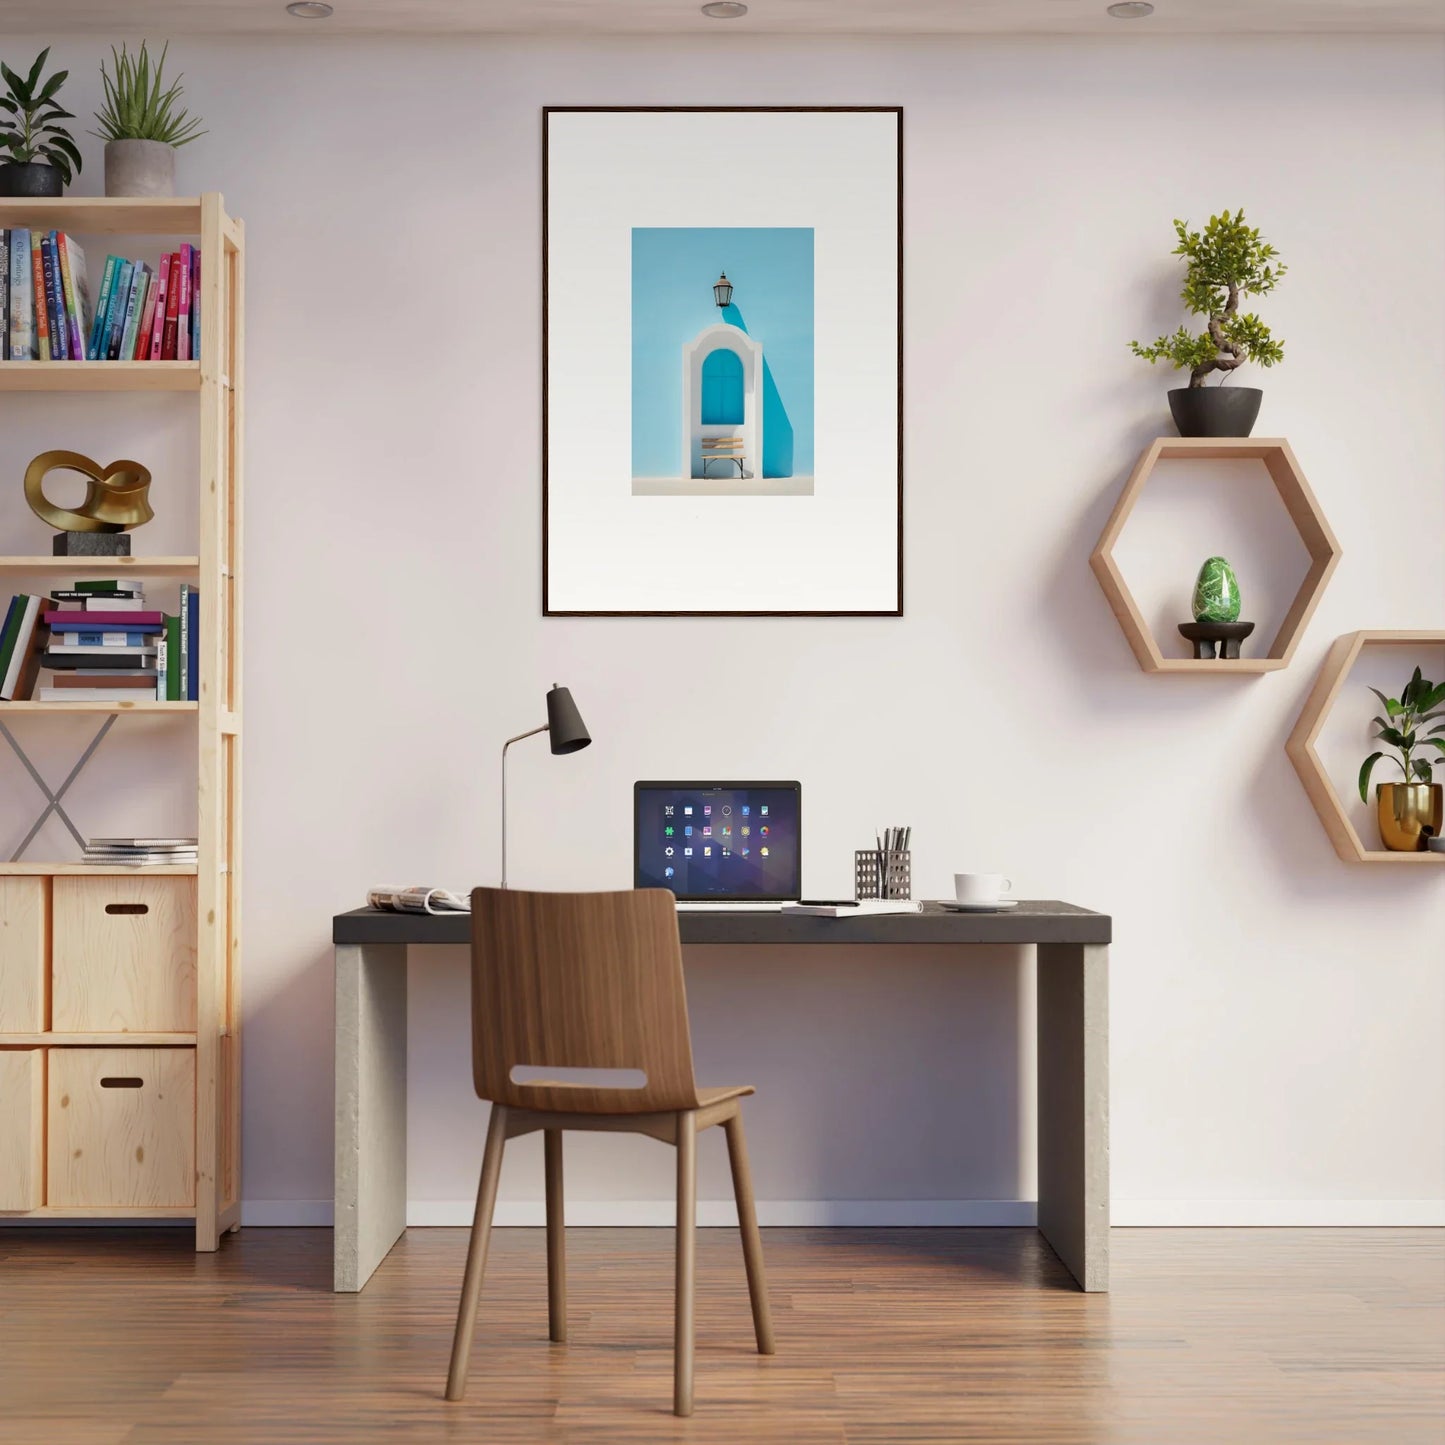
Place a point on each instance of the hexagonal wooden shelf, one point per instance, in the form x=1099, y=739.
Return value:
x=1304, y=511
x=1300, y=746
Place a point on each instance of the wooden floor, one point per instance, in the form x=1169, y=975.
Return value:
x=1222, y=1337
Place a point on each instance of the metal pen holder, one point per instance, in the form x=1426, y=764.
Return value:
x=879, y=875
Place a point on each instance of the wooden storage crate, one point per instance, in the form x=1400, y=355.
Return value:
x=120, y=1128
x=124, y=955
x=22, y=1128
x=24, y=952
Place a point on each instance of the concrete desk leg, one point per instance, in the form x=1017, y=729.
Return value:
x=1073, y=1048
x=370, y=1108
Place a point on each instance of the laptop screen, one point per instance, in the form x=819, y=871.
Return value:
x=726, y=841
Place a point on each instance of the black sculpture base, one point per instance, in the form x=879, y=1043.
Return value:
x=1205, y=636
x=91, y=544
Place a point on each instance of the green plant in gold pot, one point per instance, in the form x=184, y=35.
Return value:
x=141, y=125
x=1412, y=811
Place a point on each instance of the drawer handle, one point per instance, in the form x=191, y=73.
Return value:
x=127, y=908
x=121, y=1082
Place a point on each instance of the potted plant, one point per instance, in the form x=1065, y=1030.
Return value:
x=1224, y=263
x=141, y=126
x=1409, y=812
x=37, y=156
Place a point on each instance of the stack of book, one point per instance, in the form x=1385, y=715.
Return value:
x=141, y=313
x=102, y=644
x=140, y=852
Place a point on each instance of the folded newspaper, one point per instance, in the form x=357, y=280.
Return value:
x=419, y=900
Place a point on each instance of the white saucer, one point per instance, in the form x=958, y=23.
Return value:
x=952, y=907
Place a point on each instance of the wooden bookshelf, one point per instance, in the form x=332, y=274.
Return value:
x=1300, y=746
x=1283, y=471
x=209, y=890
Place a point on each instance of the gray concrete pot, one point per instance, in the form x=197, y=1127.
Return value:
x=140, y=168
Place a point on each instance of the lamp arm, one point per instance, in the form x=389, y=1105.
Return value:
x=532, y=732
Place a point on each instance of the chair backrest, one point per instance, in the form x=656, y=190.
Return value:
x=579, y=981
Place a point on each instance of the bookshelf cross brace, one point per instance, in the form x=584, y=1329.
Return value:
x=53, y=804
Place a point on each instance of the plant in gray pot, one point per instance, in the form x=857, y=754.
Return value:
x=1224, y=263
x=37, y=156
x=141, y=126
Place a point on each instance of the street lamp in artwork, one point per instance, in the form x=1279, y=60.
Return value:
x=722, y=290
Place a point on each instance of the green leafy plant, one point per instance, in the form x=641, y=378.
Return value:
x=1420, y=702
x=1224, y=262
x=136, y=108
x=28, y=129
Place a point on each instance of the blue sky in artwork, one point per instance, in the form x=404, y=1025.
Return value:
x=673, y=270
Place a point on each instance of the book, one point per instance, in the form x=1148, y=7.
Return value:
x=85, y=694
x=163, y=667
x=59, y=328
x=108, y=584
x=173, y=299
x=22, y=304
x=133, y=307
x=96, y=601
x=149, y=844
x=25, y=655
x=158, y=323
x=142, y=348
x=100, y=639
x=195, y=303
x=7, y=632
x=93, y=677
x=193, y=647
x=77, y=292
x=4, y=294
x=65, y=658
x=95, y=349
x=174, y=674
x=183, y=306
x=866, y=908
x=115, y=320
x=37, y=296
x=75, y=621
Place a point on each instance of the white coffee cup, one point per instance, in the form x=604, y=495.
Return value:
x=980, y=887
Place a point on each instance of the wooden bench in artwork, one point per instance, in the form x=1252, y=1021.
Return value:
x=728, y=449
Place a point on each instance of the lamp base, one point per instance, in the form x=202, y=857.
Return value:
x=91, y=544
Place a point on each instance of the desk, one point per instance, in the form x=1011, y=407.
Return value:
x=1073, y=1056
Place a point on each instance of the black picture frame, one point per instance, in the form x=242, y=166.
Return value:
x=547, y=112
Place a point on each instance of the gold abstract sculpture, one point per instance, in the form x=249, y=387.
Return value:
x=115, y=496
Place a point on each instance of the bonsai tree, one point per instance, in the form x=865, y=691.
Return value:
x=1420, y=702
x=136, y=108
x=28, y=130
x=1224, y=262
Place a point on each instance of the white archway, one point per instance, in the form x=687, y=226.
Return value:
x=714, y=338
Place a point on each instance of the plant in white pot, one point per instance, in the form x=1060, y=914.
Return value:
x=141, y=125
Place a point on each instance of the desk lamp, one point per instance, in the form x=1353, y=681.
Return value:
x=567, y=734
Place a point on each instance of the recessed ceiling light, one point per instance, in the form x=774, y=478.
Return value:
x=1131, y=9
x=309, y=9
x=725, y=10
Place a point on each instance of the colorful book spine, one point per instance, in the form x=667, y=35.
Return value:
x=195, y=303
x=158, y=324
x=19, y=678
x=103, y=639
x=183, y=306
x=193, y=646
x=114, y=621
x=173, y=300
x=173, y=660
x=4, y=295
x=77, y=292
x=54, y=302
x=95, y=349
x=142, y=348
x=133, y=308
x=37, y=291
x=7, y=633
x=162, y=669
x=22, y=306
x=120, y=299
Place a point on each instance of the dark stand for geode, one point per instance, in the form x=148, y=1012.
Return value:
x=91, y=544
x=1205, y=636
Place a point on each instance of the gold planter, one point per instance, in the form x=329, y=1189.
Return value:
x=1409, y=813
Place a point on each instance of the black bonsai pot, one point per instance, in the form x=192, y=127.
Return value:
x=30, y=178
x=1215, y=411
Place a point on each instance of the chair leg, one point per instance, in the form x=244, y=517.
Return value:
x=682, y=1341
x=556, y=1239
x=748, y=1227
x=477, y=1253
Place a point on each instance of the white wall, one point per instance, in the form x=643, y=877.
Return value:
x=1276, y=1015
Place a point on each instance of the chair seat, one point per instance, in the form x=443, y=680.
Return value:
x=708, y=1097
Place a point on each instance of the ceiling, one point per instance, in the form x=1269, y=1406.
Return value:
x=682, y=17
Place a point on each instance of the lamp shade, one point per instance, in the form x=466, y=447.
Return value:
x=722, y=290
x=566, y=731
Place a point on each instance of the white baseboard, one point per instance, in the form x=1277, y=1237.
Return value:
x=1277, y=1213
x=901, y=1213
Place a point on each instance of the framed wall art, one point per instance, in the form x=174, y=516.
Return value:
x=722, y=361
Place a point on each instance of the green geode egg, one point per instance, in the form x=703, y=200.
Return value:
x=1216, y=592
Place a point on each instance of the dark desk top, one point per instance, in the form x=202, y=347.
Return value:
x=1033, y=921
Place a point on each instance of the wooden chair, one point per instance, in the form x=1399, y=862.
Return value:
x=728, y=449
x=593, y=981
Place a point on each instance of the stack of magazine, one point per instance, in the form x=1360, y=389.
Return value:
x=140, y=852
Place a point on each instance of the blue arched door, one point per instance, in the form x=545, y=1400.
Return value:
x=722, y=388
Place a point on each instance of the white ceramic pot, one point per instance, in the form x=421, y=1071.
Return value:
x=140, y=168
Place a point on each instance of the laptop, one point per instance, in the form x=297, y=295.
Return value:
x=719, y=845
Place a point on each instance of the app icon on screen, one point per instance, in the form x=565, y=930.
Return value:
x=727, y=853
x=667, y=810
x=727, y=808
x=763, y=851
x=745, y=810
x=668, y=850
x=707, y=852
x=668, y=830
x=706, y=831
x=746, y=830
x=744, y=852
x=668, y=872
x=687, y=852
x=687, y=810
x=687, y=830
x=763, y=830
x=763, y=810
x=707, y=810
